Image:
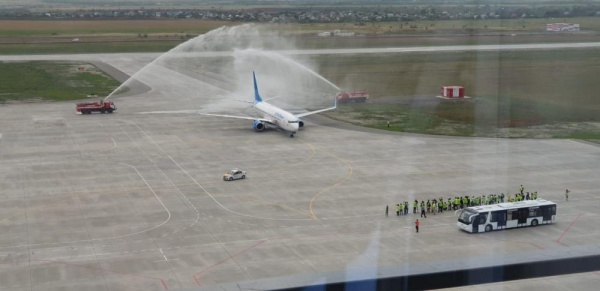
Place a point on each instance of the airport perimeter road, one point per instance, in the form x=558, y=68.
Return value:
x=130, y=201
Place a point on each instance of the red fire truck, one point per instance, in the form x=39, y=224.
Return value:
x=101, y=106
x=356, y=96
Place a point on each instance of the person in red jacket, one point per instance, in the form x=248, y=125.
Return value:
x=417, y=224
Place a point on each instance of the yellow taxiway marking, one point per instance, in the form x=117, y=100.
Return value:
x=285, y=207
x=348, y=175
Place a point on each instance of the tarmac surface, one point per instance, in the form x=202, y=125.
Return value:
x=130, y=201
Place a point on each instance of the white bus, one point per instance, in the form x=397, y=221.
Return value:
x=506, y=215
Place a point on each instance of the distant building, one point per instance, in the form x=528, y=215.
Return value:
x=336, y=32
x=453, y=91
x=562, y=27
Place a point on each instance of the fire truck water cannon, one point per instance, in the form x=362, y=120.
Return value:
x=356, y=96
x=101, y=106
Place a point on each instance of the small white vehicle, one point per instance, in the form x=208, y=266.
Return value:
x=234, y=175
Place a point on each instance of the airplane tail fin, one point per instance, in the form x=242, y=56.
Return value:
x=257, y=97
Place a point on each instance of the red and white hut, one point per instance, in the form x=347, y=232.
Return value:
x=453, y=91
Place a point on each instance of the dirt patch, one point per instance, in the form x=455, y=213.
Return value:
x=100, y=26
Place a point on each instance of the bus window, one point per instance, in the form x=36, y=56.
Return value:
x=523, y=214
x=466, y=216
x=548, y=211
x=501, y=218
x=494, y=217
x=513, y=214
x=534, y=212
x=483, y=218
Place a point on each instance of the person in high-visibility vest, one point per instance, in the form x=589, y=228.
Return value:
x=397, y=209
x=401, y=208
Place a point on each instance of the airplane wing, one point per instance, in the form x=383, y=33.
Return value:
x=245, y=101
x=318, y=111
x=265, y=100
x=240, y=117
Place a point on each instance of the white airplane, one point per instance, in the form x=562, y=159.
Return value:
x=273, y=115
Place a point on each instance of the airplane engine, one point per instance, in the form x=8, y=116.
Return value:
x=258, y=125
x=300, y=123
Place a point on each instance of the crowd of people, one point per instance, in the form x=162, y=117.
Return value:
x=440, y=205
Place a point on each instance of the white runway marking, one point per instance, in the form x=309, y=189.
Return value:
x=163, y=255
x=164, y=175
x=204, y=189
x=113, y=237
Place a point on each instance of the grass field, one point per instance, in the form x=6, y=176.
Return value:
x=92, y=47
x=57, y=81
x=98, y=36
x=588, y=24
x=95, y=27
x=512, y=91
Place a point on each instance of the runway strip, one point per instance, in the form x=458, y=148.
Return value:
x=455, y=48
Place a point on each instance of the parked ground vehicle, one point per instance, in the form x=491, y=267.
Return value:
x=234, y=175
x=356, y=96
x=100, y=106
x=506, y=215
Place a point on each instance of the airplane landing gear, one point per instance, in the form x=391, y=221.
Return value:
x=291, y=134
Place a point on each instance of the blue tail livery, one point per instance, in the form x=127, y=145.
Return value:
x=257, y=97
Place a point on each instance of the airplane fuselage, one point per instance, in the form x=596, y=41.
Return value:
x=273, y=115
x=284, y=119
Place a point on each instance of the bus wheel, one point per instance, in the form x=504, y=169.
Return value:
x=534, y=222
x=488, y=228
